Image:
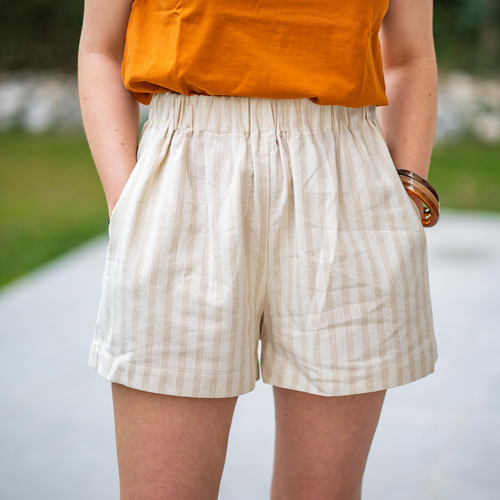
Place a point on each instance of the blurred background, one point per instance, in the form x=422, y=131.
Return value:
x=56, y=431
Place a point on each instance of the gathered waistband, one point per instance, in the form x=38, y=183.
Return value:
x=240, y=114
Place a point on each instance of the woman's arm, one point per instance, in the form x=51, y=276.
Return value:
x=411, y=80
x=110, y=113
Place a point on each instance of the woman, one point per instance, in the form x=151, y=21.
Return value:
x=263, y=203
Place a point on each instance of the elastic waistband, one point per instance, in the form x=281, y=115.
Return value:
x=230, y=114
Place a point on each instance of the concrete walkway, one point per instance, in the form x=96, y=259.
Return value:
x=438, y=439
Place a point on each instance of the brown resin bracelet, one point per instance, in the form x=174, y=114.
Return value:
x=418, y=186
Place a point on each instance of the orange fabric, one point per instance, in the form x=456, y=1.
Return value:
x=324, y=50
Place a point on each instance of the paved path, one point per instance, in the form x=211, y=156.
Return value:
x=438, y=439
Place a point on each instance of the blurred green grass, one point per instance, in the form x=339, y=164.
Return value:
x=466, y=175
x=51, y=199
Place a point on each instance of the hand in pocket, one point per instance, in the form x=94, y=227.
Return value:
x=115, y=189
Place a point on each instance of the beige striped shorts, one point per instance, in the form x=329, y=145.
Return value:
x=274, y=220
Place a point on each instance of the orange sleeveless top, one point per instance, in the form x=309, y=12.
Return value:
x=324, y=50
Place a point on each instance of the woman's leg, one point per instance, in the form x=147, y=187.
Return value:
x=322, y=444
x=170, y=447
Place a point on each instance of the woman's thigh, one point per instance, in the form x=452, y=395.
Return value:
x=322, y=444
x=170, y=446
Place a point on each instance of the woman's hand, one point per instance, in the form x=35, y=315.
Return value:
x=109, y=111
x=115, y=190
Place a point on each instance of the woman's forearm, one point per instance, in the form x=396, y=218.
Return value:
x=410, y=71
x=111, y=119
x=409, y=121
x=109, y=111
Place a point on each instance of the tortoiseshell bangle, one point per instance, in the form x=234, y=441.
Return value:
x=421, y=188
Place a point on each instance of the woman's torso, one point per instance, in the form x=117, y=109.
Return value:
x=324, y=50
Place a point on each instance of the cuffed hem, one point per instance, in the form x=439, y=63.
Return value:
x=364, y=381
x=170, y=382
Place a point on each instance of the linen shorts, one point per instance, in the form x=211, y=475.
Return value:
x=274, y=220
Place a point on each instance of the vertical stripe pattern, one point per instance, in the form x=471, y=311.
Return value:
x=273, y=220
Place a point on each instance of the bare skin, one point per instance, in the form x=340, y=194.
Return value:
x=322, y=444
x=410, y=71
x=109, y=111
x=174, y=448
x=170, y=447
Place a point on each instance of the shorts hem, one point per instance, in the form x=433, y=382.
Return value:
x=353, y=386
x=166, y=382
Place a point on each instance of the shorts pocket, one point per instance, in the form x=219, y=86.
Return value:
x=123, y=195
x=412, y=207
x=417, y=211
x=131, y=181
x=391, y=170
